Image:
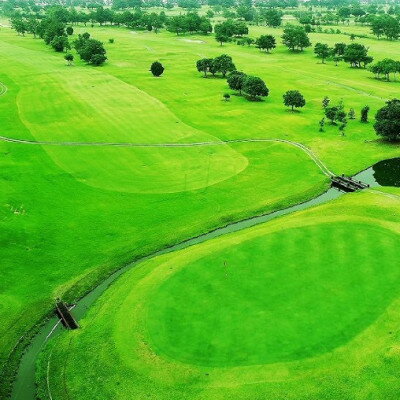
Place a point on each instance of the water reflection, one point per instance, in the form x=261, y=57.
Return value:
x=387, y=172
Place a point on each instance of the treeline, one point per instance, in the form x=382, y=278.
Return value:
x=55, y=33
x=382, y=25
x=138, y=19
x=386, y=67
x=252, y=86
x=190, y=22
x=355, y=54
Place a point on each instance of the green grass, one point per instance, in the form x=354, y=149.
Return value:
x=301, y=307
x=70, y=215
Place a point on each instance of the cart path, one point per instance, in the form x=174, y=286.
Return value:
x=301, y=146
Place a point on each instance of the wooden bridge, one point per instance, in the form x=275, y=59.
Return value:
x=347, y=184
x=65, y=315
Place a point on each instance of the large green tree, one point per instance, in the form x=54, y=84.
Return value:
x=387, y=122
x=357, y=55
x=204, y=65
x=156, y=68
x=223, y=64
x=293, y=98
x=236, y=80
x=322, y=51
x=255, y=87
x=266, y=42
x=295, y=38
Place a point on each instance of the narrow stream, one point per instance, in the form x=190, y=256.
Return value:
x=384, y=173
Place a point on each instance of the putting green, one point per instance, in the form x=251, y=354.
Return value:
x=268, y=312
x=278, y=297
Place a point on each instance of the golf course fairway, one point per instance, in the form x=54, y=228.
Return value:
x=103, y=166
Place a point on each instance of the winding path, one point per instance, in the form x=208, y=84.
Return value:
x=308, y=151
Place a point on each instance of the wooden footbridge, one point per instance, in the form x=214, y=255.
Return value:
x=347, y=183
x=65, y=315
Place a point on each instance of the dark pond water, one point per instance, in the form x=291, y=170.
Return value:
x=383, y=173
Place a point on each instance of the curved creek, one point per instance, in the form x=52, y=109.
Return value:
x=383, y=173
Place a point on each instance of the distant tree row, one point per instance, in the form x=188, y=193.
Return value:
x=356, y=54
x=90, y=50
x=55, y=34
x=221, y=64
x=294, y=37
x=385, y=67
x=386, y=25
x=190, y=22
x=224, y=31
x=252, y=86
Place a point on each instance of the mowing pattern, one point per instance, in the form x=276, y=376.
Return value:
x=268, y=312
x=279, y=297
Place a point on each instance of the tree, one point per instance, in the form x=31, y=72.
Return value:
x=364, y=114
x=387, y=122
x=224, y=64
x=88, y=48
x=340, y=113
x=293, y=98
x=70, y=30
x=325, y=102
x=321, y=125
x=342, y=126
x=255, y=87
x=385, y=25
x=385, y=67
x=322, y=51
x=69, y=58
x=357, y=54
x=156, y=68
x=272, y=17
x=236, y=80
x=204, y=65
x=221, y=38
x=351, y=114
x=331, y=114
x=19, y=25
x=97, y=59
x=339, y=49
x=32, y=26
x=227, y=96
x=266, y=42
x=377, y=26
x=59, y=43
x=295, y=38
x=51, y=29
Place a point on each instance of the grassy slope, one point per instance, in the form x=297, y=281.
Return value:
x=194, y=328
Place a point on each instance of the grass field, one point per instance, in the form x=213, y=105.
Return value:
x=73, y=214
x=212, y=321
